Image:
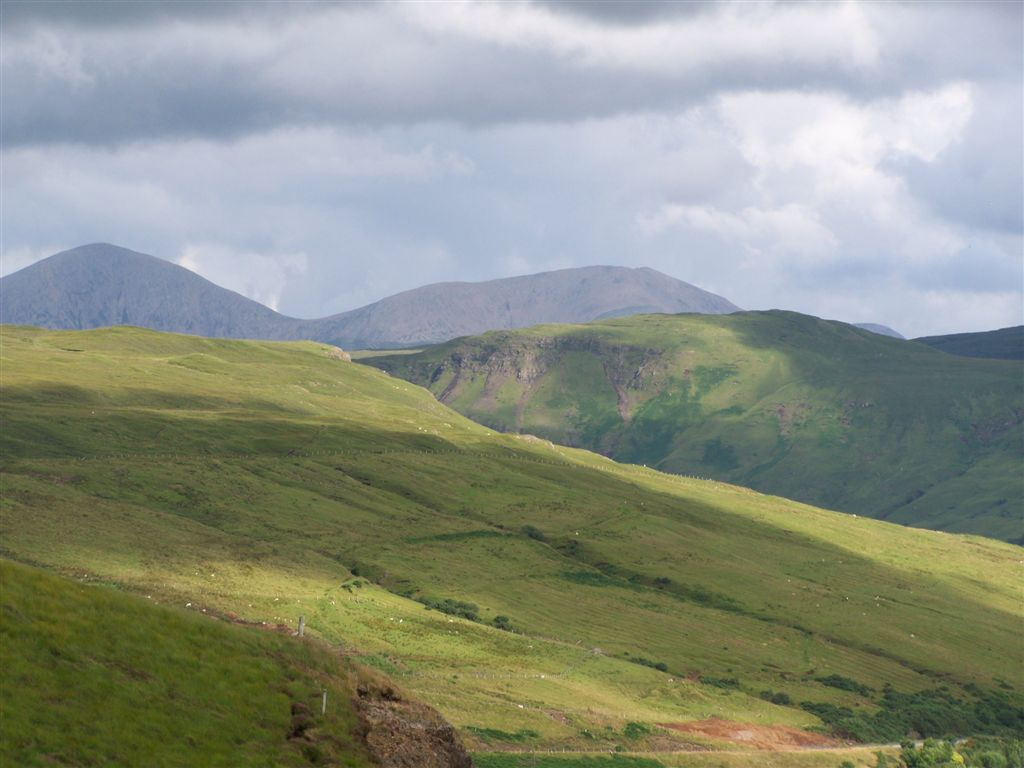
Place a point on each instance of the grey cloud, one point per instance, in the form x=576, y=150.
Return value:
x=629, y=11
x=89, y=76
x=19, y=14
x=979, y=181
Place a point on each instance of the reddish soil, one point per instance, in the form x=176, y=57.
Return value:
x=766, y=737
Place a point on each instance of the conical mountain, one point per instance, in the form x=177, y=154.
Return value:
x=100, y=285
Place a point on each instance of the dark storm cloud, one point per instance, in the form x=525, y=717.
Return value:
x=630, y=11
x=105, y=73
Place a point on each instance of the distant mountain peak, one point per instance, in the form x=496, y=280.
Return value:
x=881, y=330
x=102, y=284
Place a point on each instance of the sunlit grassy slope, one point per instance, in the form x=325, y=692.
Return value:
x=273, y=480
x=784, y=403
x=94, y=677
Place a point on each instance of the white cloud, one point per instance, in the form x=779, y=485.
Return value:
x=791, y=233
x=821, y=174
x=259, y=276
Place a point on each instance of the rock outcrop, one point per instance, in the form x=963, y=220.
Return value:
x=401, y=733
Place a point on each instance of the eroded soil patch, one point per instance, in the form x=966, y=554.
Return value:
x=765, y=737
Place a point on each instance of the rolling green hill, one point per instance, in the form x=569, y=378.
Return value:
x=784, y=403
x=539, y=596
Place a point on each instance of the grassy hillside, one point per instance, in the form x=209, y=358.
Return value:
x=784, y=403
x=1004, y=344
x=275, y=480
x=95, y=677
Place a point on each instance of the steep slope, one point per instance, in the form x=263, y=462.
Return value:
x=809, y=409
x=444, y=311
x=102, y=285
x=275, y=480
x=1004, y=344
x=94, y=677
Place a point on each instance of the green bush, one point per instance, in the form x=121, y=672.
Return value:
x=658, y=665
x=635, y=730
x=844, y=684
x=776, y=697
x=452, y=607
x=534, y=533
x=720, y=682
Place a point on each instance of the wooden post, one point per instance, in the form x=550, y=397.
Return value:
x=302, y=625
x=323, y=708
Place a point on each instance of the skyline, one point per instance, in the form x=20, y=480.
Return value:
x=859, y=162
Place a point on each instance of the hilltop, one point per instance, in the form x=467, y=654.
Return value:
x=103, y=285
x=809, y=409
x=540, y=597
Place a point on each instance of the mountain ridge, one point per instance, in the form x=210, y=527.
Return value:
x=100, y=285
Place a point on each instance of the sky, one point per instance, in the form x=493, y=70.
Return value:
x=855, y=161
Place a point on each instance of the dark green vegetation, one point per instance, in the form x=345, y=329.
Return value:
x=95, y=677
x=788, y=404
x=931, y=712
x=274, y=480
x=982, y=753
x=1004, y=344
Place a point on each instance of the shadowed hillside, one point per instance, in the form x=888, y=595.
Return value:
x=1004, y=344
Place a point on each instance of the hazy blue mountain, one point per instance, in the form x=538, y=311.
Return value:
x=100, y=285
x=444, y=311
x=881, y=330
